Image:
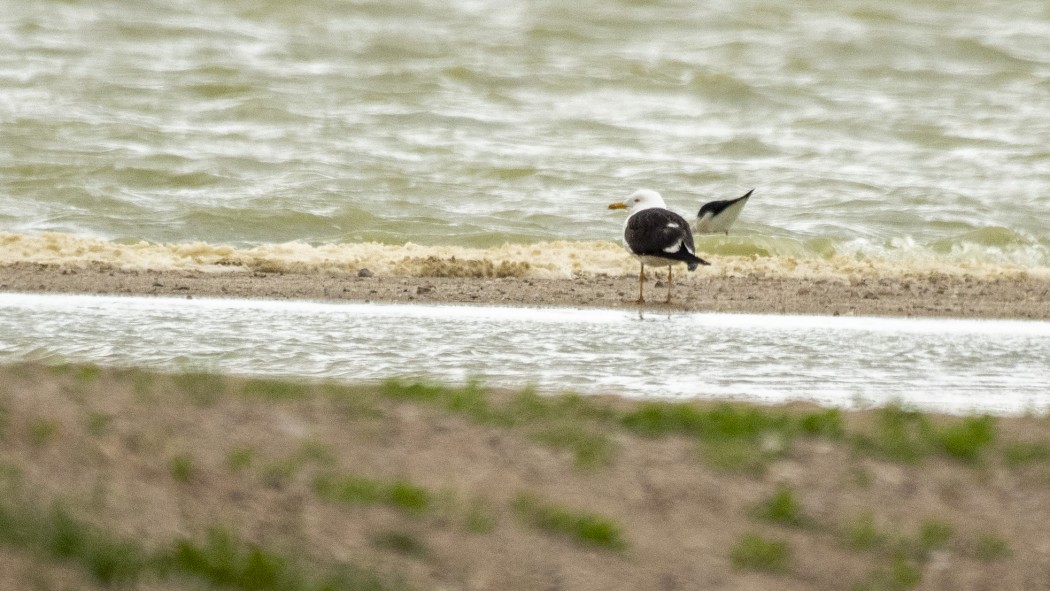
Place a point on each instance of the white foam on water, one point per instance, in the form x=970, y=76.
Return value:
x=558, y=259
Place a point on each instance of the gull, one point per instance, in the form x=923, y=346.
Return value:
x=716, y=217
x=656, y=236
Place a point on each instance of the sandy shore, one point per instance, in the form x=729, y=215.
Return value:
x=465, y=489
x=920, y=294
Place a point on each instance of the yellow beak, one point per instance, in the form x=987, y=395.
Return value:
x=617, y=205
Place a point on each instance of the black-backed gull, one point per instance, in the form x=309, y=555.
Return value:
x=657, y=236
x=716, y=217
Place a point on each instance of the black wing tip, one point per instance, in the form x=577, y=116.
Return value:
x=740, y=198
x=717, y=207
x=697, y=263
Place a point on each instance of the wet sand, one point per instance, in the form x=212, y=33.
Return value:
x=1016, y=295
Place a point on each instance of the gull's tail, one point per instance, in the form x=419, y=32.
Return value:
x=694, y=261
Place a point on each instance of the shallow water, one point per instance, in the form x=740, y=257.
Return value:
x=951, y=365
x=900, y=128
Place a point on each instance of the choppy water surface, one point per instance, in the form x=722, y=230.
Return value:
x=954, y=365
x=899, y=128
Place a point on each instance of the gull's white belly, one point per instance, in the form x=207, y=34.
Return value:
x=656, y=261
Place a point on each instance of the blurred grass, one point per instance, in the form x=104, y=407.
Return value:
x=861, y=533
x=350, y=489
x=734, y=438
x=902, y=557
x=909, y=436
x=240, y=459
x=201, y=387
x=901, y=574
x=223, y=560
x=590, y=449
x=1025, y=453
x=990, y=546
x=583, y=527
x=275, y=389
x=783, y=509
x=43, y=432
x=98, y=423
x=402, y=542
x=55, y=534
x=181, y=468
x=756, y=553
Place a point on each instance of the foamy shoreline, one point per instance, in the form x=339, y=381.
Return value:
x=545, y=260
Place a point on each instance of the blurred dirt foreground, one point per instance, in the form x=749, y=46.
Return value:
x=131, y=479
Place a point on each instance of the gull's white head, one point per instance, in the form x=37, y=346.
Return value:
x=639, y=200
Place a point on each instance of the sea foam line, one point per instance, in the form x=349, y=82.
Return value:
x=542, y=260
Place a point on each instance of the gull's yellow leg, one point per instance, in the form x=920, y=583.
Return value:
x=641, y=285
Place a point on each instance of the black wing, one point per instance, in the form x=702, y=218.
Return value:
x=653, y=231
x=717, y=207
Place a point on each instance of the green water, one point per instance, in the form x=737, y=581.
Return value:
x=900, y=129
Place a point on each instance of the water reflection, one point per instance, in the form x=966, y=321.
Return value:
x=955, y=365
